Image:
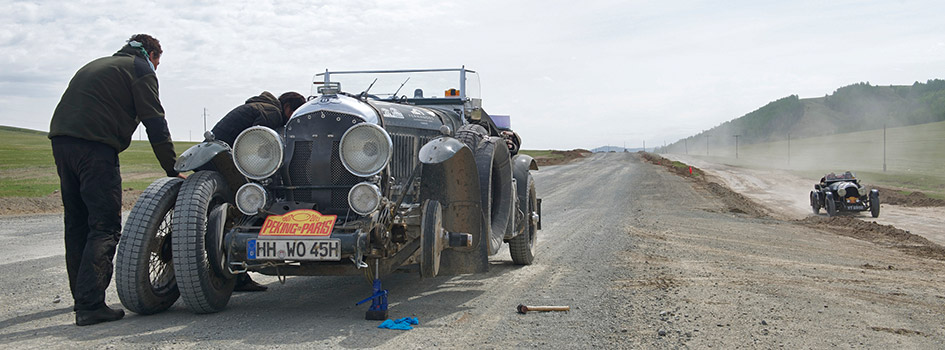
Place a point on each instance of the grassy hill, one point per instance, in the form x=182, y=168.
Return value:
x=853, y=108
x=27, y=168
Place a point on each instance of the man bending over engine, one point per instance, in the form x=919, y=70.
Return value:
x=263, y=110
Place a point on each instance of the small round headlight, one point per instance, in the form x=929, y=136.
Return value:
x=257, y=152
x=365, y=149
x=250, y=198
x=364, y=198
x=842, y=191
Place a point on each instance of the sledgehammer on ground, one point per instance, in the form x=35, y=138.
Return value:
x=523, y=309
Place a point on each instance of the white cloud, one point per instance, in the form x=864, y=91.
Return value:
x=570, y=74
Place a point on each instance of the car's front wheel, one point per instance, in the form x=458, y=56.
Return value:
x=831, y=205
x=814, y=203
x=874, y=204
x=196, y=250
x=432, y=241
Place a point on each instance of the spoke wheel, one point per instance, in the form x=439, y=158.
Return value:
x=144, y=268
x=432, y=239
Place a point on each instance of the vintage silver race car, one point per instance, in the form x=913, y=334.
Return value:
x=843, y=193
x=355, y=183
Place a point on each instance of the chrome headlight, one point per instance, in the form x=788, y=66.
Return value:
x=250, y=198
x=365, y=149
x=842, y=191
x=364, y=198
x=257, y=152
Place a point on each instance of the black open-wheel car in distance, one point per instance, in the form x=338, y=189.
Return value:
x=353, y=184
x=843, y=193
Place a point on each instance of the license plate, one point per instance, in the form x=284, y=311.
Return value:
x=294, y=249
x=856, y=207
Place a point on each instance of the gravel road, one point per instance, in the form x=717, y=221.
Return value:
x=645, y=259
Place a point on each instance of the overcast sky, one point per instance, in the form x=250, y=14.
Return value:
x=572, y=74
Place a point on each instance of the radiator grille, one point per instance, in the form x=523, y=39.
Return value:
x=300, y=169
x=404, y=157
x=340, y=175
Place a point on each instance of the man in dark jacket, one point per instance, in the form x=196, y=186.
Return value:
x=94, y=121
x=263, y=110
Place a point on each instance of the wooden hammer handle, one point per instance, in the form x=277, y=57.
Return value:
x=523, y=309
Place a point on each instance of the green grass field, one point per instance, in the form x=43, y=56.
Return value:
x=27, y=168
x=914, y=156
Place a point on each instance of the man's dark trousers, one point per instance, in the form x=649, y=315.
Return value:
x=90, y=183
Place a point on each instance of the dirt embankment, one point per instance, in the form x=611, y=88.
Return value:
x=562, y=157
x=734, y=201
x=52, y=203
x=913, y=199
x=883, y=235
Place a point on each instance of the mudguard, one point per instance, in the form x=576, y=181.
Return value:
x=199, y=155
x=497, y=196
x=521, y=164
x=449, y=176
x=211, y=155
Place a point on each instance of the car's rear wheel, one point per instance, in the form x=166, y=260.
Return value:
x=203, y=288
x=522, y=247
x=831, y=205
x=874, y=204
x=144, y=269
x=814, y=203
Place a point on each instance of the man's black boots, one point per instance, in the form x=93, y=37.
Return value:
x=102, y=314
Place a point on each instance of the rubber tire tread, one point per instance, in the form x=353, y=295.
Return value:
x=429, y=266
x=831, y=206
x=522, y=247
x=814, y=203
x=874, y=204
x=471, y=135
x=191, y=264
x=132, y=261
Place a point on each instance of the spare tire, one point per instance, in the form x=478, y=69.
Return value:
x=144, y=267
x=471, y=135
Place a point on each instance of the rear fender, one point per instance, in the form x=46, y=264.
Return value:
x=521, y=164
x=449, y=176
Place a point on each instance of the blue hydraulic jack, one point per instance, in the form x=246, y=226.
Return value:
x=378, y=309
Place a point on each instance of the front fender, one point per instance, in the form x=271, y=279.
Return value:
x=449, y=176
x=199, y=155
x=211, y=155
